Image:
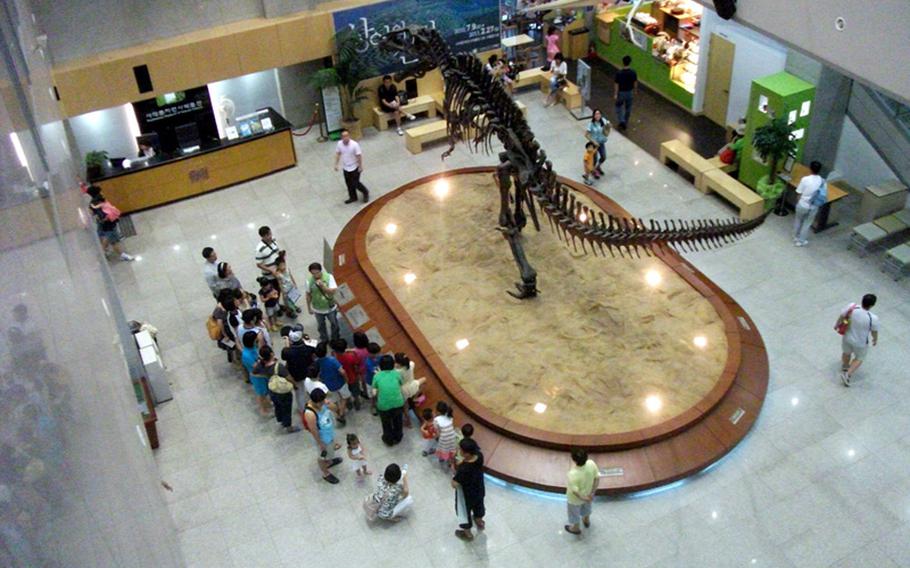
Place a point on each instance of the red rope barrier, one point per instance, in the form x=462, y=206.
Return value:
x=310, y=126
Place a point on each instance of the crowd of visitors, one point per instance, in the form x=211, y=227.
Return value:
x=337, y=379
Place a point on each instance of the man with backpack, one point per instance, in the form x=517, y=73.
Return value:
x=107, y=220
x=813, y=193
x=859, y=326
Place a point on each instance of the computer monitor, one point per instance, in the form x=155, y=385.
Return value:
x=187, y=136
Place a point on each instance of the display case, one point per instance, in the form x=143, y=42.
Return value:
x=663, y=43
x=780, y=94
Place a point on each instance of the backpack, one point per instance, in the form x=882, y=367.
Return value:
x=111, y=213
x=821, y=195
x=844, y=323
x=303, y=416
x=211, y=325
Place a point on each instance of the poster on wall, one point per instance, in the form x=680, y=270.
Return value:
x=466, y=25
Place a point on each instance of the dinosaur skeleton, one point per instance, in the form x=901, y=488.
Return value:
x=477, y=109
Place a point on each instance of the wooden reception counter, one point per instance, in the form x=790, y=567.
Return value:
x=214, y=166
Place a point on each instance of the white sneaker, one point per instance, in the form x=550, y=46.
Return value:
x=400, y=132
x=127, y=257
x=845, y=378
x=802, y=243
x=411, y=117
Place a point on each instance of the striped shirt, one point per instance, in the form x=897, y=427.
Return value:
x=267, y=254
x=446, y=428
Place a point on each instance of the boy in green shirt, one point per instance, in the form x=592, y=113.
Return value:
x=580, y=490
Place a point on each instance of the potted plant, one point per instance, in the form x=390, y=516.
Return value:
x=350, y=68
x=774, y=143
x=94, y=163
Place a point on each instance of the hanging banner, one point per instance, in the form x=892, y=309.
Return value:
x=466, y=25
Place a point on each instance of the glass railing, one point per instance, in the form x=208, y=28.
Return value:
x=896, y=109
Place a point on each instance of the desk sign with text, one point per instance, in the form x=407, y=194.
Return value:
x=467, y=25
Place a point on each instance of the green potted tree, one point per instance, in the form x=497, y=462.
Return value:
x=94, y=163
x=349, y=70
x=774, y=143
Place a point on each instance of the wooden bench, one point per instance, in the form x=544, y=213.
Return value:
x=417, y=105
x=529, y=77
x=416, y=136
x=727, y=168
x=750, y=204
x=570, y=94
x=686, y=159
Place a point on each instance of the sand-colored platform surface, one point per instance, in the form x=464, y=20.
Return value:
x=603, y=351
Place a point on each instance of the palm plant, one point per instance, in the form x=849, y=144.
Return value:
x=773, y=142
x=351, y=67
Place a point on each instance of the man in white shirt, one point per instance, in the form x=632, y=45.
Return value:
x=210, y=269
x=348, y=152
x=805, y=211
x=267, y=255
x=862, y=331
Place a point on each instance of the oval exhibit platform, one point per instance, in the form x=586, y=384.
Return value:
x=658, y=379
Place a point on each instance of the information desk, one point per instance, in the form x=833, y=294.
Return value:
x=214, y=166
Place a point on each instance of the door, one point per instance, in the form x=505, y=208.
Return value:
x=720, y=71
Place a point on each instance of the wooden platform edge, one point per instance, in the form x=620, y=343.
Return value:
x=649, y=459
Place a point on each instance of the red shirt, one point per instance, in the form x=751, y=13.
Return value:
x=351, y=365
x=362, y=356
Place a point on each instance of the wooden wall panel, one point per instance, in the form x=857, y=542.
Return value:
x=258, y=48
x=304, y=38
x=216, y=58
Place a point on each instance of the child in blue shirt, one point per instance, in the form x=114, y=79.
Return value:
x=332, y=374
x=250, y=352
x=372, y=364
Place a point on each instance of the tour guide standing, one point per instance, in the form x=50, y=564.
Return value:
x=320, y=300
x=580, y=490
x=350, y=155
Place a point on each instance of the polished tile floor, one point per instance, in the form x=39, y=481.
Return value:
x=823, y=480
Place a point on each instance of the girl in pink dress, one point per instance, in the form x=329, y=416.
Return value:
x=552, y=40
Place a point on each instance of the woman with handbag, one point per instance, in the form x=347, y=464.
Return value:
x=280, y=386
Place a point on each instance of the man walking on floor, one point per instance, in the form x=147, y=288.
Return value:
x=350, y=155
x=625, y=83
x=861, y=331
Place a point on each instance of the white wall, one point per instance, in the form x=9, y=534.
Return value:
x=249, y=93
x=107, y=129
x=756, y=56
x=857, y=161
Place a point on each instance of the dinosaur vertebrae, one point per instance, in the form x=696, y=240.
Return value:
x=578, y=222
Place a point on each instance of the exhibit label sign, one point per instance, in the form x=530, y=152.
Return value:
x=466, y=25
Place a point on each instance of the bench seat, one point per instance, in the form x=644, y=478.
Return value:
x=529, y=78
x=750, y=204
x=728, y=168
x=417, y=105
x=570, y=94
x=416, y=136
x=686, y=159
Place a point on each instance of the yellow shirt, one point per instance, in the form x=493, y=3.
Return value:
x=589, y=159
x=581, y=481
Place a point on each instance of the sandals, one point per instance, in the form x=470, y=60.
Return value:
x=569, y=529
x=330, y=479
